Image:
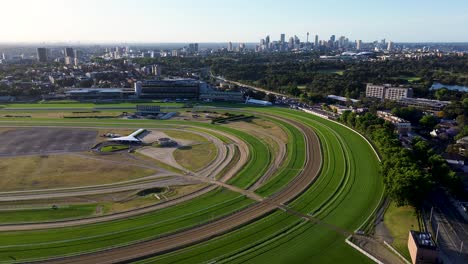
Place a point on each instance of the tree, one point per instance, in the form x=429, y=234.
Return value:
x=441, y=94
x=428, y=122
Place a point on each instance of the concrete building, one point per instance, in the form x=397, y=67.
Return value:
x=359, y=45
x=95, y=93
x=148, y=109
x=424, y=104
x=375, y=91
x=42, y=54
x=168, y=88
x=421, y=248
x=156, y=70
x=390, y=46
x=396, y=93
x=388, y=92
x=69, y=52
x=402, y=126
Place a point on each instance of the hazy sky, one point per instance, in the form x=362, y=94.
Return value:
x=235, y=20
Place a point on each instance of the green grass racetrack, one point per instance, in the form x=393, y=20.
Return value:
x=343, y=197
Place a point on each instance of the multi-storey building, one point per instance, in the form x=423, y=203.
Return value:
x=42, y=54
x=396, y=93
x=388, y=92
x=168, y=88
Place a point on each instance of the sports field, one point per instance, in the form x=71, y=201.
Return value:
x=325, y=180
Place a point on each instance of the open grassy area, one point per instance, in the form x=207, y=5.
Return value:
x=399, y=221
x=60, y=241
x=197, y=156
x=331, y=71
x=61, y=171
x=348, y=189
x=185, y=135
x=46, y=214
x=113, y=148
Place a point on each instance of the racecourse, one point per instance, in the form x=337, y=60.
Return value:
x=327, y=186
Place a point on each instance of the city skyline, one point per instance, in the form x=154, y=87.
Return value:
x=208, y=22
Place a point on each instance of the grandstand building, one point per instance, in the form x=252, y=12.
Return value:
x=168, y=89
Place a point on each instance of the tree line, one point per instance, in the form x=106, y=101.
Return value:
x=409, y=174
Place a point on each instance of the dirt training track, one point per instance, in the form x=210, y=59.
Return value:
x=39, y=141
x=219, y=227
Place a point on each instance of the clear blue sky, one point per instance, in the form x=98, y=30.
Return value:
x=234, y=20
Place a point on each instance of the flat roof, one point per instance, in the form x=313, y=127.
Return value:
x=341, y=98
x=130, y=138
x=423, y=240
x=94, y=90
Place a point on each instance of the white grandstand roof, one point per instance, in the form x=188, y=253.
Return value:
x=131, y=138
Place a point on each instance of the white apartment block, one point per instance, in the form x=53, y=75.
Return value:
x=388, y=92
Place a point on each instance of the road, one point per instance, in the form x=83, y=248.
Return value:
x=453, y=229
x=220, y=226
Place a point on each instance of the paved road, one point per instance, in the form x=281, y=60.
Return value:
x=218, y=227
x=453, y=229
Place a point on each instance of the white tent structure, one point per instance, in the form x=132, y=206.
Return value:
x=132, y=138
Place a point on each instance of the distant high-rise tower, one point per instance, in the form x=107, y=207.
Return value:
x=157, y=70
x=291, y=43
x=267, y=41
x=42, y=54
x=390, y=46
x=69, y=52
x=308, y=38
x=359, y=44
x=283, y=38
x=316, y=43
x=230, y=46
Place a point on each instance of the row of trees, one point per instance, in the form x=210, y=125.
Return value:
x=346, y=78
x=409, y=175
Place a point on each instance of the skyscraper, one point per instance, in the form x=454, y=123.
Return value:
x=69, y=52
x=359, y=44
x=267, y=41
x=316, y=43
x=42, y=54
x=390, y=46
x=291, y=43
x=230, y=46
x=283, y=38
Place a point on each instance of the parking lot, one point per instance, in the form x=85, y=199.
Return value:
x=38, y=141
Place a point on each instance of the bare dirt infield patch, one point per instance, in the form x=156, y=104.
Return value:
x=34, y=141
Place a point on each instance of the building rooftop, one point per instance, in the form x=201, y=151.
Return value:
x=94, y=90
x=423, y=240
x=341, y=98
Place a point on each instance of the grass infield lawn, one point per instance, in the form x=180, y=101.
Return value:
x=399, y=221
x=46, y=214
x=185, y=135
x=197, y=156
x=112, y=148
x=63, y=171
